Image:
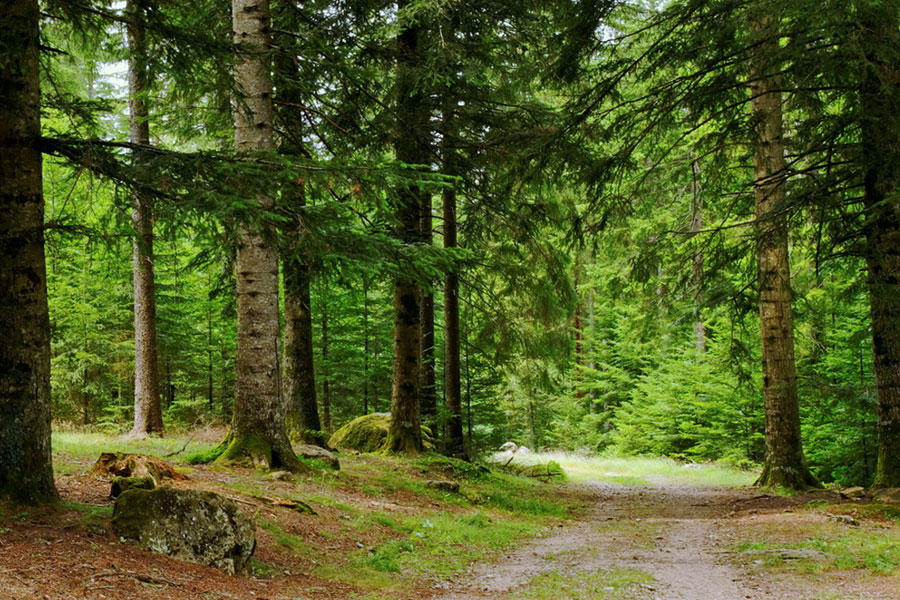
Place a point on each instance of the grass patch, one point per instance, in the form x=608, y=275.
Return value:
x=603, y=584
x=875, y=552
x=83, y=445
x=283, y=538
x=637, y=470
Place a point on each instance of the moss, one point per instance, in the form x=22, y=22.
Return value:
x=369, y=433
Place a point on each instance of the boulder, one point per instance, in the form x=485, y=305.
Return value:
x=523, y=450
x=318, y=453
x=853, y=492
x=192, y=525
x=368, y=433
x=509, y=447
x=442, y=484
x=888, y=496
x=281, y=476
x=123, y=484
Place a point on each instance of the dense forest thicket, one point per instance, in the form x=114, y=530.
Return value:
x=629, y=226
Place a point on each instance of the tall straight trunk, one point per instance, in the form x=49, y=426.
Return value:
x=697, y=262
x=410, y=146
x=579, y=329
x=784, y=462
x=427, y=380
x=326, y=380
x=365, y=332
x=258, y=431
x=147, y=402
x=26, y=470
x=455, y=443
x=880, y=101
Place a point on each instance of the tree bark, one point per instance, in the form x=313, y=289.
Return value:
x=258, y=430
x=26, y=470
x=784, y=463
x=880, y=103
x=147, y=402
x=697, y=262
x=427, y=380
x=326, y=383
x=455, y=444
x=410, y=146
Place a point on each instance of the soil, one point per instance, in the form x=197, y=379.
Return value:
x=683, y=536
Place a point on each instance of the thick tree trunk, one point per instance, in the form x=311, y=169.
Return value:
x=147, y=402
x=697, y=262
x=427, y=380
x=784, y=463
x=258, y=422
x=26, y=471
x=410, y=145
x=880, y=100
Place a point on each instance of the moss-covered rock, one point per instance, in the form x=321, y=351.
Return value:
x=123, y=484
x=317, y=453
x=368, y=433
x=192, y=525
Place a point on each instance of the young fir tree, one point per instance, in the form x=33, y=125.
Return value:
x=147, y=403
x=26, y=471
x=258, y=429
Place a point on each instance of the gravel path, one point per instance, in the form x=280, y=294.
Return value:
x=667, y=531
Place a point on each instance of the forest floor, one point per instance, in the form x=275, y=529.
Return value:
x=626, y=530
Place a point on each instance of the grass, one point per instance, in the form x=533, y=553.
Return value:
x=603, y=584
x=875, y=552
x=88, y=446
x=639, y=470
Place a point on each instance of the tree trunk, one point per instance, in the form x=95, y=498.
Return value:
x=880, y=101
x=784, y=464
x=427, y=380
x=326, y=383
x=147, y=402
x=26, y=470
x=410, y=145
x=455, y=444
x=697, y=262
x=258, y=421
x=579, y=329
x=365, y=332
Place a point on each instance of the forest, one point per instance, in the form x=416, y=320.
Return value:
x=560, y=223
x=607, y=228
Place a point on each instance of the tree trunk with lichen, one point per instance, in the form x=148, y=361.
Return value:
x=147, y=402
x=26, y=470
x=411, y=147
x=880, y=127
x=784, y=464
x=258, y=431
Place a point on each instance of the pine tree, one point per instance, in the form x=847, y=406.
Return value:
x=26, y=471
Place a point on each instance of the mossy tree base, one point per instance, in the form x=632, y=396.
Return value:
x=254, y=450
x=792, y=478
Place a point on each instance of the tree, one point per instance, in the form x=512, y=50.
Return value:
x=147, y=404
x=258, y=422
x=879, y=92
x=784, y=463
x=411, y=147
x=26, y=470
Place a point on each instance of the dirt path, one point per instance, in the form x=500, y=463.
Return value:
x=668, y=532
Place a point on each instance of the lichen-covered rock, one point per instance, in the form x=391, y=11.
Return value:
x=192, y=525
x=368, y=433
x=853, y=492
x=318, y=453
x=509, y=447
x=446, y=485
x=123, y=484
